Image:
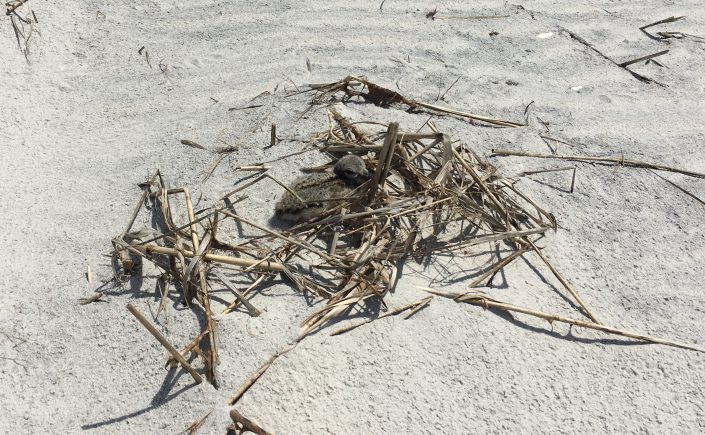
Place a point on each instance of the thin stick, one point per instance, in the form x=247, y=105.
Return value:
x=191, y=347
x=639, y=59
x=418, y=304
x=287, y=188
x=563, y=281
x=678, y=187
x=543, y=171
x=136, y=210
x=11, y=6
x=163, y=341
x=254, y=312
x=620, y=161
x=664, y=21
x=232, y=306
x=191, y=219
x=497, y=267
x=197, y=424
x=468, y=115
x=256, y=375
x=475, y=17
x=384, y=158
x=482, y=301
x=273, y=135
x=192, y=144
x=247, y=424
x=234, y=261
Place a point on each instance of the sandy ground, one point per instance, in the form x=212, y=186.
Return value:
x=86, y=119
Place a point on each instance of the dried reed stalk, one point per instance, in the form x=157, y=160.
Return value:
x=620, y=161
x=256, y=375
x=163, y=341
x=487, y=303
x=416, y=306
x=246, y=423
x=243, y=262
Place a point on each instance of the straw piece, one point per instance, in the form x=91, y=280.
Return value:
x=247, y=424
x=384, y=158
x=192, y=144
x=497, y=267
x=254, y=312
x=620, y=161
x=639, y=59
x=417, y=305
x=255, y=376
x=191, y=347
x=482, y=301
x=14, y=4
x=163, y=341
x=565, y=283
x=244, y=262
x=193, y=428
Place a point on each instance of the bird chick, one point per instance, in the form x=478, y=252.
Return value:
x=321, y=192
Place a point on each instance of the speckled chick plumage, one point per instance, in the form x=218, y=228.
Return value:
x=318, y=189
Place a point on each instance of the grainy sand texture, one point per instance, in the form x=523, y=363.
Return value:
x=95, y=96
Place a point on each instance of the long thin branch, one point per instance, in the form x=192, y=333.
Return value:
x=482, y=301
x=618, y=161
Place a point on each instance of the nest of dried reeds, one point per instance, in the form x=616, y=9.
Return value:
x=428, y=196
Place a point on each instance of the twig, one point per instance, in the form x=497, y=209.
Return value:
x=254, y=312
x=418, y=304
x=639, y=59
x=192, y=144
x=563, y=281
x=163, y=341
x=620, y=161
x=487, y=303
x=247, y=424
x=678, y=187
x=14, y=4
x=193, y=428
x=255, y=376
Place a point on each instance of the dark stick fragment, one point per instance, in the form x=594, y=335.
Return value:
x=642, y=58
x=192, y=144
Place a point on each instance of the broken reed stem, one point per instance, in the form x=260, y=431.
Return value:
x=664, y=21
x=191, y=219
x=254, y=312
x=639, y=59
x=487, y=303
x=233, y=305
x=497, y=267
x=191, y=347
x=12, y=5
x=143, y=197
x=620, y=161
x=384, y=158
x=247, y=424
x=163, y=341
x=233, y=261
x=468, y=115
x=679, y=187
x=256, y=375
x=417, y=305
x=563, y=281
x=197, y=424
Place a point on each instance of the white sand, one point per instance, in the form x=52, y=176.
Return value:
x=87, y=119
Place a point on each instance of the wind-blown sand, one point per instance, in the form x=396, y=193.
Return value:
x=87, y=119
